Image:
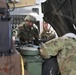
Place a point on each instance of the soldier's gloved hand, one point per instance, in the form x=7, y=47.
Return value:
x=36, y=42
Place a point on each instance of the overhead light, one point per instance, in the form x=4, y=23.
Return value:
x=17, y=0
x=34, y=14
x=14, y=1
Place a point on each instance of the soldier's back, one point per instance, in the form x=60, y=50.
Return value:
x=65, y=50
x=67, y=58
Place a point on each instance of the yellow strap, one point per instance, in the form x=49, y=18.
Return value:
x=22, y=65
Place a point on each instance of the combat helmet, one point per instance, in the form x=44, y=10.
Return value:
x=30, y=18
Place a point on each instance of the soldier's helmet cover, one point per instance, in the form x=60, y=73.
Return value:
x=30, y=18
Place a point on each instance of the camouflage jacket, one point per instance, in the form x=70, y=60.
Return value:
x=46, y=34
x=65, y=50
x=25, y=33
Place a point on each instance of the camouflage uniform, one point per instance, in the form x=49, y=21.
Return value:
x=65, y=50
x=26, y=33
x=47, y=35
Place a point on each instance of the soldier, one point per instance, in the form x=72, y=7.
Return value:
x=65, y=50
x=28, y=31
x=48, y=33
